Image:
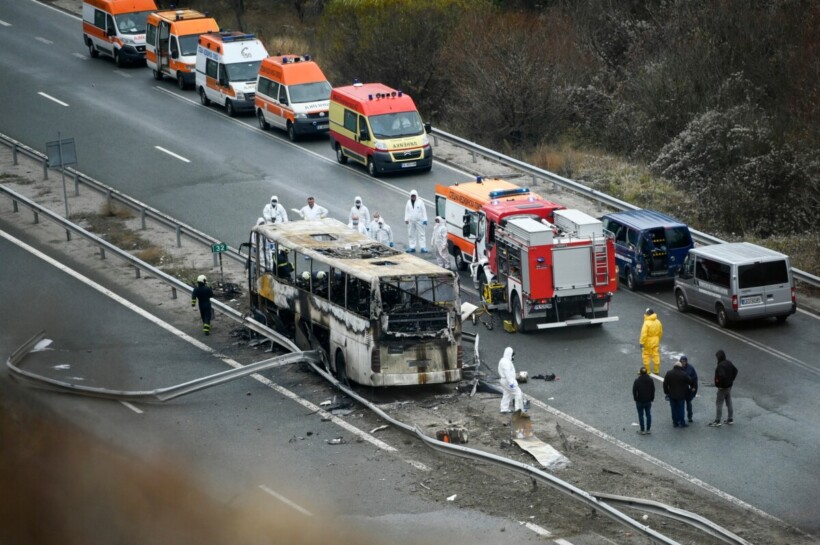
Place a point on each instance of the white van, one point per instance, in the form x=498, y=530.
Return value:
x=736, y=281
x=117, y=28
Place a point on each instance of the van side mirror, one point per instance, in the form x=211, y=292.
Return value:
x=223, y=81
x=364, y=135
x=111, y=32
x=428, y=128
x=174, y=55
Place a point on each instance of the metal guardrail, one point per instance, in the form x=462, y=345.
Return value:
x=140, y=265
x=571, y=185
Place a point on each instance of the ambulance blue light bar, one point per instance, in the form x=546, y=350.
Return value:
x=237, y=37
x=500, y=193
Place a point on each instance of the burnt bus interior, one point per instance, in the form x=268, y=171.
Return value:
x=413, y=304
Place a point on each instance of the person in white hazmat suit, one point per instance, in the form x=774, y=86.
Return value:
x=360, y=210
x=380, y=231
x=415, y=216
x=439, y=242
x=509, y=386
x=357, y=224
x=275, y=212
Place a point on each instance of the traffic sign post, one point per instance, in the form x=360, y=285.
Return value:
x=62, y=153
x=218, y=249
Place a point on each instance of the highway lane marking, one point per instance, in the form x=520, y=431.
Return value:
x=561, y=541
x=286, y=501
x=123, y=74
x=43, y=40
x=80, y=56
x=205, y=348
x=44, y=95
x=269, y=134
x=4, y=23
x=738, y=337
x=132, y=407
x=651, y=459
x=172, y=154
x=809, y=314
x=535, y=528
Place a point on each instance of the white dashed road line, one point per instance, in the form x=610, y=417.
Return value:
x=43, y=40
x=172, y=154
x=286, y=501
x=80, y=56
x=44, y=95
x=543, y=532
x=3, y=23
x=132, y=407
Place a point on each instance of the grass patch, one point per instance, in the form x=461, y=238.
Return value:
x=155, y=256
x=112, y=229
x=14, y=179
x=185, y=274
x=110, y=209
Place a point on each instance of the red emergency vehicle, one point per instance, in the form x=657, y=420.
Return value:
x=548, y=267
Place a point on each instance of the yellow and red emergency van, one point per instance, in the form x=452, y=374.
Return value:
x=378, y=127
x=170, y=43
x=293, y=94
x=116, y=28
x=227, y=64
x=460, y=204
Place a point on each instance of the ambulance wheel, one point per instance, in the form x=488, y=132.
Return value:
x=518, y=319
x=118, y=60
x=180, y=83
x=341, y=368
x=203, y=98
x=157, y=75
x=631, y=281
x=340, y=155
x=229, y=109
x=680, y=300
x=460, y=263
x=260, y=116
x=722, y=317
x=371, y=167
x=92, y=51
x=292, y=132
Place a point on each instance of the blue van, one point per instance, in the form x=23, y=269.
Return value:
x=649, y=246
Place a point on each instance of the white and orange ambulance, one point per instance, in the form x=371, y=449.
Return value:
x=227, y=64
x=170, y=43
x=378, y=127
x=116, y=28
x=293, y=94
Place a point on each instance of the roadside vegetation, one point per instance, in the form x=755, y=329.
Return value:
x=707, y=110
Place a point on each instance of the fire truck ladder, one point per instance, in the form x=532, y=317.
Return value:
x=600, y=263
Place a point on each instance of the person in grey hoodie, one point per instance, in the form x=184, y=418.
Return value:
x=725, y=374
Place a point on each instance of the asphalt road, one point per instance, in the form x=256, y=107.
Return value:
x=119, y=118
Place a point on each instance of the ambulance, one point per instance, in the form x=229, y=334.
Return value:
x=170, y=43
x=292, y=94
x=380, y=128
x=460, y=204
x=116, y=28
x=227, y=64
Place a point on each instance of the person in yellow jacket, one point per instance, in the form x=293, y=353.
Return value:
x=651, y=334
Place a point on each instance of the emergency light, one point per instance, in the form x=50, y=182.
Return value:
x=509, y=192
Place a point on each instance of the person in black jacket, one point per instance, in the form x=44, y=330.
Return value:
x=690, y=370
x=725, y=374
x=677, y=385
x=203, y=293
x=643, y=391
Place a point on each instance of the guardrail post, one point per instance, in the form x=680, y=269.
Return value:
x=14, y=206
x=108, y=201
x=76, y=184
x=215, y=263
x=179, y=238
x=137, y=269
x=102, y=252
x=45, y=169
x=435, y=141
x=173, y=292
x=142, y=218
x=36, y=217
x=475, y=157
x=14, y=154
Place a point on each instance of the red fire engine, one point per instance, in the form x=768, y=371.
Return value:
x=546, y=274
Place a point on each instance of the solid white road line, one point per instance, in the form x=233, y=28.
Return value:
x=562, y=542
x=286, y=501
x=132, y=407
x=543, y=532
x=44, y=95
x=3, y=23
x=172, y=154
x=45, y=41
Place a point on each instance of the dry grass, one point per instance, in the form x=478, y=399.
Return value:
x=110, y=209
x=155, y=256
x=6, y=178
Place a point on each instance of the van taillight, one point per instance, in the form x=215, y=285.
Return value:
x=376, y=361
x=459, y=356
x=734, y=302
x=794, y=296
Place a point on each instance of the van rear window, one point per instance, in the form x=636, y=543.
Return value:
x=678, y=237
x=763, y=274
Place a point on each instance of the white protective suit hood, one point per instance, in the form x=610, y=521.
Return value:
x=274, y=200
x=506, y=369
x=414, y=192
x=357, y=200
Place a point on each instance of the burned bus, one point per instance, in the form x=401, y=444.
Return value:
x=383, y=317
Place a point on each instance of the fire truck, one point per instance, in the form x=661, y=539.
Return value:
x=547, y=266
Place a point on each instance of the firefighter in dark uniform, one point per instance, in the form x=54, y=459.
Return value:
x=203, y=293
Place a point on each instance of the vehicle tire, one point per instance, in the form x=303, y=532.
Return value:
x=92, y=51
x=118, y=60
x=157, y=75
x=292, y=132
x=180, y=83
x=341, y=368
x=460, y=263
x=518, y=319
x=722, y=318
x=203, y=98
x=371, y=167
x=340, y=155
x=260, y=116
x=680, y=300
x=229, y=108
x=782, y=319
x=631, y=281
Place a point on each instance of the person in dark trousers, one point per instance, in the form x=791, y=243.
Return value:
x=643, y=391
x=677, y=385
x=725, y=374
x=690, y=370
x=203, y=293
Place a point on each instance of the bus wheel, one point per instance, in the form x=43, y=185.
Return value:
x=92, y=51
x=341, y=368
x=203, y=98
x=292, y=132
x=722, y=318
x=518, y=318
x=371, y=167
x=264, y=125
x=680, y=300
x=631, y=281
x=340, y=155
x=460, y=263
x=229, y=109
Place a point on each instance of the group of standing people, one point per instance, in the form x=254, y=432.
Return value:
x=680, y=384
